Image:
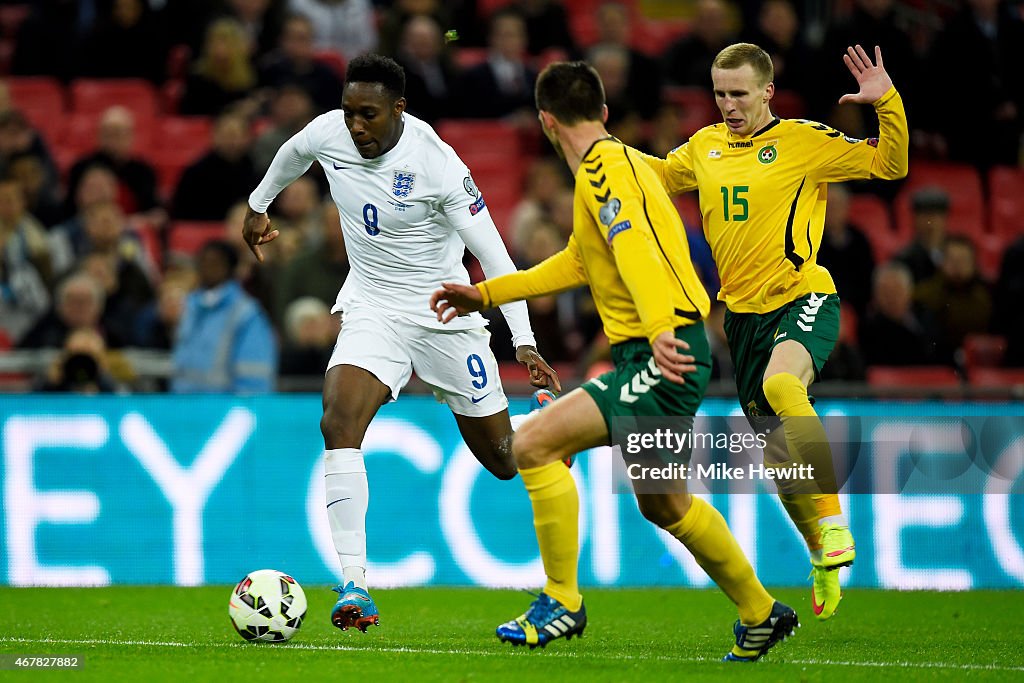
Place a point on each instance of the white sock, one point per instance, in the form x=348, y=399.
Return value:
x=817, y=556
x=348, y=496
x=518, y=420
x=838, y=520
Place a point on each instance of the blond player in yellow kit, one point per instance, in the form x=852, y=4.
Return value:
x=762, y=182
x=628, y=244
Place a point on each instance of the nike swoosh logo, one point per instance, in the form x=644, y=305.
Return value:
x=476, y=399
x=340, y=168
x=814, y=602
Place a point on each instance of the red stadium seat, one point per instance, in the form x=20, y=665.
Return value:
x=961, y=183
x=41, y=100
x=1006, y=200
x=870, y=215
x=334, y=60
x=187, y=237
x=847, y=324
x=989, y=250
x=468, y=57
x=94, y=96
x=983, y=351
x=12, y=16
x=789, y=104
x=471, y=137
x=80, y=133
x=189, y=132
x=696, y=108
x=922, y=376
x=654, y=36
x=996, y=377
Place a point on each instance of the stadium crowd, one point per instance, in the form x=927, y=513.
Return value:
x=127, y=154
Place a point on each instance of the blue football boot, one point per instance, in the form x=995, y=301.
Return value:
x=355, y=607
x=753, y=642
x=546, y=620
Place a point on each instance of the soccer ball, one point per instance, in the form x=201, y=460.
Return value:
x=267, y=605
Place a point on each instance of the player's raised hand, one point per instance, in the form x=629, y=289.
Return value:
x=542, y=375
x=873, y=79
x=256, y=230
x=673, y=364
x=454, y=300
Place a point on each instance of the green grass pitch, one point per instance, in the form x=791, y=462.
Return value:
x=183, y=634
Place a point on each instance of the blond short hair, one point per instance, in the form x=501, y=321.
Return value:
x=738, y=54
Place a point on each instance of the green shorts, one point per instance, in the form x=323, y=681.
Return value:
x=812, y=320
x=636, y=389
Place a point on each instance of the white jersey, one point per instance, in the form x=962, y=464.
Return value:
x=406, y=215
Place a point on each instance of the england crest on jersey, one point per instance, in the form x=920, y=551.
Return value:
x=404, y=181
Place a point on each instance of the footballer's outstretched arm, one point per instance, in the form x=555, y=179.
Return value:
x=484, y=242
x=556, y=274
x=292, y=160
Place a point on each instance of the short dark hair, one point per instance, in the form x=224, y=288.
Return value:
x=571, y=91
x=373, y=68
x=225, y=250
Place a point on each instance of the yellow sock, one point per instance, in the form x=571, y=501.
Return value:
x=802, y=509
x=556, y=512
x=706, y=535
x=806, y=439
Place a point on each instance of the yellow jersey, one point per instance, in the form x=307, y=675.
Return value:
x=627, y=243
x=762, y=197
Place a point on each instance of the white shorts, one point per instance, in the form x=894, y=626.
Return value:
x=458, y=364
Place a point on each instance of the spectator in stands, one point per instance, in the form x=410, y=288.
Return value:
x=126, y=43
x=547, y=26
x=225, y=175
x=157, y=322
x=319, y=270
x=262, y=21
x=41, y=198
x=545, y=179
x=1009, y=292
x=895, y=331
x=223, y=75
x=429, y=73
x=79, y=303
x=18, y=137
x=294, y=63
x=688, y=60
x=81, y=367
x=923, y=255
x=399, y=13
x=297, y=209
x=846, y=252
x=502, y=86
x=624, y=121
x=345, y=26
x=643, y=79
x=290, y=110
x=225, y=342
x=957, y=298
x=721, y=358
x=136, y=177
x=310, y=332
x=105, y=230
x=984, y=46
x=98, y=185
x=778, y=32
x=846, y=362
x=25, y=267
